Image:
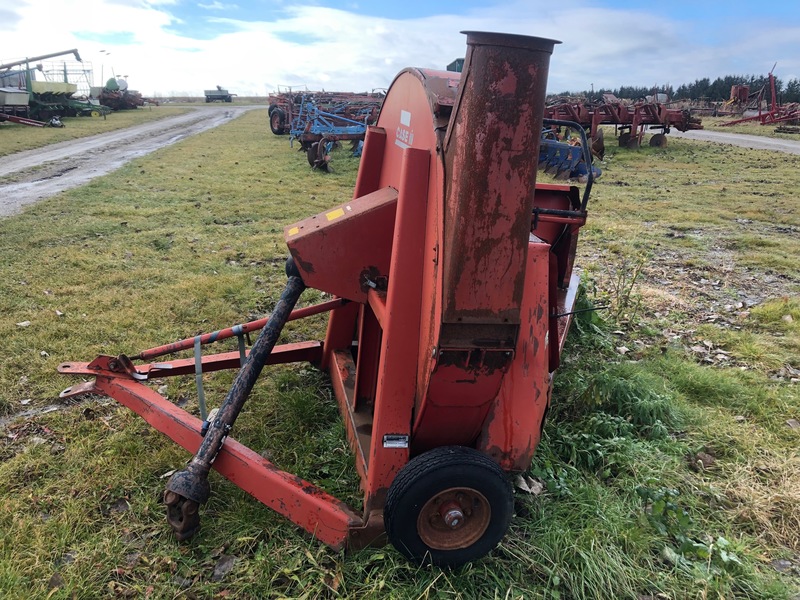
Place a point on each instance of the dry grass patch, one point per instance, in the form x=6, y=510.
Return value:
x=765, y=491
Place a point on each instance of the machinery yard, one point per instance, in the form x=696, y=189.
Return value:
x=38, y=92
x=668, y=466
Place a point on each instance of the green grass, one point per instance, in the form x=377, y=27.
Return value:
x=749, y=128
x=190, y=239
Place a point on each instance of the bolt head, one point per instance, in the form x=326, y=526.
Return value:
x=453, y=518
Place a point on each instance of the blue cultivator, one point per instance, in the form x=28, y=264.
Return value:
x=564, y=160
x=319, y=130
x=311, y=121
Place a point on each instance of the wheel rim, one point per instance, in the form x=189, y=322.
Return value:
x=454, y=518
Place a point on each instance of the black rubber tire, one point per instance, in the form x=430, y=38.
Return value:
x=277, y=121
x=598, y=144
x=316, y=157
x=311, y=154
x=435, y=472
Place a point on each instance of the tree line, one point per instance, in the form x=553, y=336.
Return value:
x=704, y=89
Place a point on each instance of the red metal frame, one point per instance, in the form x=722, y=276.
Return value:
x=20, y=120
x=454, y=272
x=323, y=515
x=633, y=119
x=775, y=114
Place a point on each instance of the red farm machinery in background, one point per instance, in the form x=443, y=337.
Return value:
x=631, y=119
x=453, y=289
x=318, y=120
x=741, y=96
x=286, y=106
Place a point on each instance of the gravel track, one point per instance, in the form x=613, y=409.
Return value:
x=30, y=176
x=756, y=142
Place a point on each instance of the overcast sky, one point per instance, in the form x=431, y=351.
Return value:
x=177, y=47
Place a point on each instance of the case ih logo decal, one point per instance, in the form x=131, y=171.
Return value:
x=404, y=137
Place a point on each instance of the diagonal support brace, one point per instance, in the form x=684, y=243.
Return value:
x=191, y=484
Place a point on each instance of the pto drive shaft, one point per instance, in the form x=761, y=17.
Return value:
x=189, y=488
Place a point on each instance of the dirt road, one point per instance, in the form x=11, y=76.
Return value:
x=30, y=176
x=739, y=139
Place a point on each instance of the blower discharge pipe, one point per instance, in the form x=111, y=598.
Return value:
x=189, y=487
x=494, y=130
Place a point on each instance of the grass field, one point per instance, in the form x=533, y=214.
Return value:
x=669, y=465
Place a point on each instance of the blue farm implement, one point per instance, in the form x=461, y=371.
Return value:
x=320, y=120
x=565, y=157
x=319, y=130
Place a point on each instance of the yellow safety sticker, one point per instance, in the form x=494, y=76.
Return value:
x=335, y=214
x=294, y=230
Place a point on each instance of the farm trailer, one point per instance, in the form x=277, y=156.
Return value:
x=218, y=95
x=452, y=284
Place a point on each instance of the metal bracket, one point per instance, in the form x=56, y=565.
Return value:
x=395, y=440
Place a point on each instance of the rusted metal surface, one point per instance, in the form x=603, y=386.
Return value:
x=307, y=505
x=486, y=208
x=511, y=430
x=494, y=131
x=236, y=330
x=183, y=515
x=310, y=351
x=632, y=118
x=453, y=272
x=454, y=518
x=776, y=113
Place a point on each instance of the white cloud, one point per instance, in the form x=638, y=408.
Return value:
x=339, y=50
x=217, y=6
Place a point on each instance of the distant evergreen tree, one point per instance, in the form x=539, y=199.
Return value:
x=792, y=91
x=701, y=89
